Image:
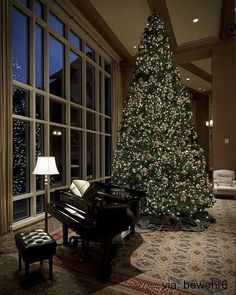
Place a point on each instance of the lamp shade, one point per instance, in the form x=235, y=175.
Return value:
x=45, y=166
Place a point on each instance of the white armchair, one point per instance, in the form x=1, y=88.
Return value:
x=224, y=183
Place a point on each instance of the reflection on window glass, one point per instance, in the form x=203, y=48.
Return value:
x=39, y=9
x=39, y=57
x=39, y=145
x=56, y=24
x=75, y=77
x=20, y=157
x=108, y=153
x=107, y=67
x=91, y=158
x=57, y=112
x=108, y=96
x=108, y=125
x=21, y=209
x=56, y=67
x=20, y=46
x=76, y=154
x=90, y=86
x=91, y=121
x=20, y=101
x=39, y=204
x=39, y=105
x=57, y=150
x=76, y=117
x=75, y=40
x=90, y=52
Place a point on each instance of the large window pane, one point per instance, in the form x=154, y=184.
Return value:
x=57, y=150
x=39, y=136
x=101, y=159
x=107, y=67
x=75, y=40
x=39, y=57
x=108, y=125
x=40, y=204
x=91, y=155
x=56, y=66
x=107, y=96
x=39, y=107
x=56, y=24
x=39, y=9
x=20, y=102
x=91, y=121
x=20, y=46
x=20, y=157
x=57, y=112
x=90, y=52
x=90, y=86
x=75, y=117
x=25, y=2
x=76, y=154
x=108, y=154
x=21, y=209
x=75, y=77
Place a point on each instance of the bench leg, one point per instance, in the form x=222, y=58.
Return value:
x=50, y=262
x=20, y=263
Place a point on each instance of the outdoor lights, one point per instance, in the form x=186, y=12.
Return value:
x=46, y=166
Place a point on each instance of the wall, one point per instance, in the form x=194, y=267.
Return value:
x=224, y=105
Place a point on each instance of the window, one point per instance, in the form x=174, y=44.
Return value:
x=20, y=46
x=39, y=57
x=56, y=24
x=56, y=66
x=75, y=78
x=39, y=9
x=20, y=157
x=61, y=104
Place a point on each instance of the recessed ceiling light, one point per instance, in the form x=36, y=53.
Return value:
x=135, y=46
x=195, y=20
x=187, y=79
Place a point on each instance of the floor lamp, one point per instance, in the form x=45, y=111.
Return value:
x=46, y=166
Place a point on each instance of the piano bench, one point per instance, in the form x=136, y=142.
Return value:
x=35, y=246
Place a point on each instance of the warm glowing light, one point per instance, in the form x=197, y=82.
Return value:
x=195, y=20
x=187, y=79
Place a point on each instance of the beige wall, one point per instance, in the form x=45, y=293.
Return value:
x=224, y=105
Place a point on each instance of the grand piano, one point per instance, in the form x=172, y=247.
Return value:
x=98, y=212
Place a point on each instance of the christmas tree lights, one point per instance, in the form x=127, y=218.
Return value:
x=157, y=146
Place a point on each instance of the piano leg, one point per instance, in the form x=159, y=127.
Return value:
x=65, y=234
x=109, y=253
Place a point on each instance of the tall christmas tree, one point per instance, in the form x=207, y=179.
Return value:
x=157, y=146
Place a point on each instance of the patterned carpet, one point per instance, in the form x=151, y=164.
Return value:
x=151, y=262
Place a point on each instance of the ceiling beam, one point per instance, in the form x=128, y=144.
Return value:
x=161, y=8
x=227, y=17
x=91, y=14
x=195, y=50
x=197, y=71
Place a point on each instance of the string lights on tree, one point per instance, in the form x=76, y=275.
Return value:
x=157, y=146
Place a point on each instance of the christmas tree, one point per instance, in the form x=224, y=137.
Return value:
x=157, y=146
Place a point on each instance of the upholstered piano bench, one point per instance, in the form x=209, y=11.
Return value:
x=35, y=246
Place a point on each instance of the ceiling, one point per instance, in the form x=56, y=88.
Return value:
x=122, y=24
